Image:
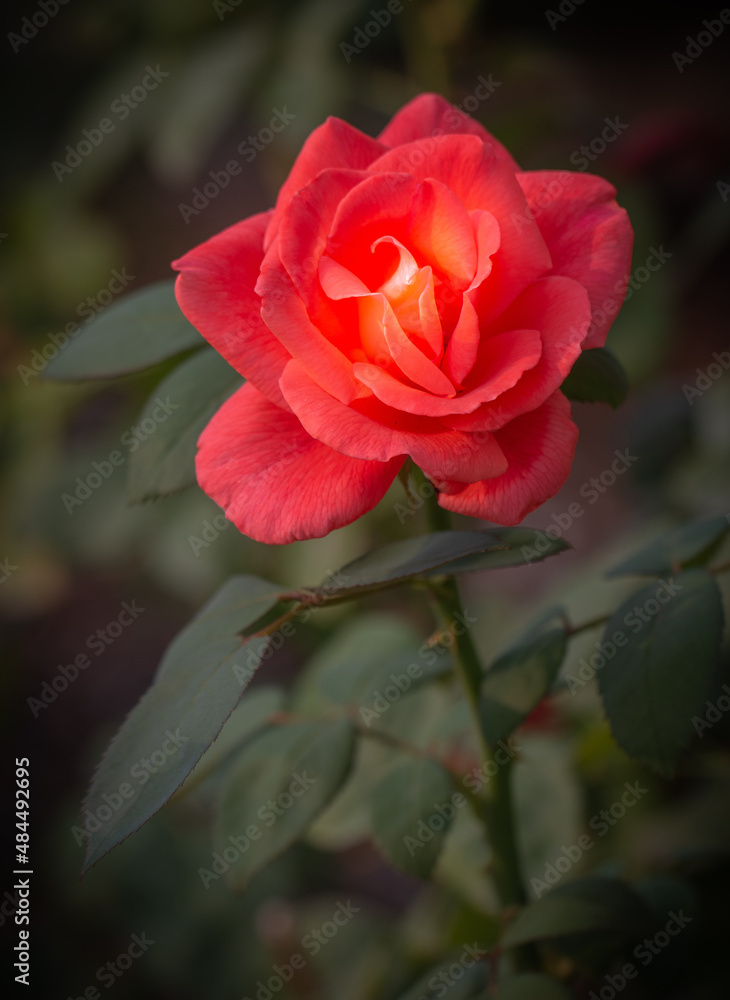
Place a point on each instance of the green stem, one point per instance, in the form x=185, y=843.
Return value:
x=495, y=803
x=497, y=806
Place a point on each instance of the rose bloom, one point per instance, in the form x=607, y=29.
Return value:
x=415, y=295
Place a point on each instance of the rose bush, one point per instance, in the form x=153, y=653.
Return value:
x=411, y=295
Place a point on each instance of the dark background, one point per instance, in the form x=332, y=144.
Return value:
x=120, y=208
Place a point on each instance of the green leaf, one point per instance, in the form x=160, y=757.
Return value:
x=197, y=686
x=440, y=553
x=138, y=331
x=427, y=555
x=531, y=986
x=520, y=547
x=252, y=714
x=440, y=981
x=658, y=678
x=368, y=654
x=588, y=905
x=180, y=409
x=412, y=812
x=694, y=543
x=597, y=377
x=517, y=682
x=279, y=785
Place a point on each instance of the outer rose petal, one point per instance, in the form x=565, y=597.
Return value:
x=215, y=290
x=275, y=482
x=333, y=144
x=369, y=430
x=539, y=447
x=431, y=114
x=589, y=238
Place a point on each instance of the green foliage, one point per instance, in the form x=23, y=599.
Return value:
x=516, y=683
x=660, y=672
x=531, y=986
x=412, y=813
x=164, y=461
x=597, y=377
x=138, y=331
x=359, y=662
x=693, y=544
x=197, y=686
x=441, y=981
x=441, y=552
x=590, y=905
x=282, y=780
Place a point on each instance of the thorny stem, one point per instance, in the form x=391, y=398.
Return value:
x=495, y=804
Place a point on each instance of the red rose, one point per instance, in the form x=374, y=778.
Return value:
x=412, y=295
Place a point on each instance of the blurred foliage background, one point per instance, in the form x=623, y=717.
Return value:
x=231, y=67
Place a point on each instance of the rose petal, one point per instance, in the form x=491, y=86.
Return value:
x=369, y=430
x=306, y=223
x=285, y=314
x=463, y=346
x=378, y=312
x=334, y=144
x=481, y=181
x=488, y=238
x=275, y=482
x=512, y=354
x=588, y=235
x=539, y=447
x=427, y=218
x=215, y=290
x=430, y=115
x=557, y=307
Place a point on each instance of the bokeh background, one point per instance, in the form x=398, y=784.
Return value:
x=555, y=81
